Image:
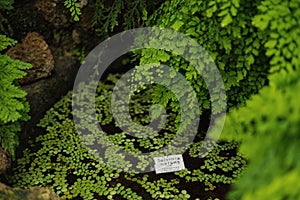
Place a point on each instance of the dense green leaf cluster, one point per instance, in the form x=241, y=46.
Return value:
x=268, y=126
x=225, y=31
x=13, y=105
x=59, y=160
x=280, y=20
x=161, y=188
x=219, y=166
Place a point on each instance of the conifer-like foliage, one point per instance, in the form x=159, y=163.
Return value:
x=125, y=14
x=111, y=15
x=13, y=105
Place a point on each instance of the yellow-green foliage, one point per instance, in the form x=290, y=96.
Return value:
x=268, y=126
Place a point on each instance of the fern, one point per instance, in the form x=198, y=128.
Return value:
x=6, y=4
x=225, y=30
x=6, y=42
x=268, y=126
x=280, y=19
x=74, y=8
x=131, y=14
x=13, y=105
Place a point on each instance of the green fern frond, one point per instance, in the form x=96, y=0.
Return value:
x=74, y=8
x=6, y=42
x=13, y=105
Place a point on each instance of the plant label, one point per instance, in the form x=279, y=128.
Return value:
x=167, y=164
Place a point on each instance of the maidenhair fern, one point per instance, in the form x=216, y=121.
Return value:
x=13, y=105
x=225, y=30
x=280, y=19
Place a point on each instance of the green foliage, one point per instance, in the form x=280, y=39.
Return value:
x=6, y=4
x=6, y=42
x=269, y=138
x=225, y=31
x=59, y=160
x=280, y=20
x=13, y=105
x=74, y=8
x=268, y=126
x=220, y=165
x=131, y=13
x=160, y=189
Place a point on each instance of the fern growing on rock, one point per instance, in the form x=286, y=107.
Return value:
x=13, y=105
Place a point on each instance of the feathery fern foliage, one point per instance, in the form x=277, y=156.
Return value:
x=13, y=105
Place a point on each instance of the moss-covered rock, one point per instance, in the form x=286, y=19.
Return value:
x=30, y=194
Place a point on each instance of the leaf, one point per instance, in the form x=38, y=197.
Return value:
x=76, y=18
x=260, y=22
x=233, y=11
x=236, y=3
x=271, y=44
x=227, y=20
x=6, y=42
x=177, y=25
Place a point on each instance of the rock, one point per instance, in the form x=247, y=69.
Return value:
x=54, y=12
x=30, y=194
x=33, y=50
x=5, y=161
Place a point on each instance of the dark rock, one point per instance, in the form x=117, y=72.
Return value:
x=54, y=12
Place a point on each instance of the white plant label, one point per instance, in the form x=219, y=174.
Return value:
x=167, y=164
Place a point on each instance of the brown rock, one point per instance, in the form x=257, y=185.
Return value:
x=33, y=50
x=5, y=161
x=30, y=194
x=54, y=12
